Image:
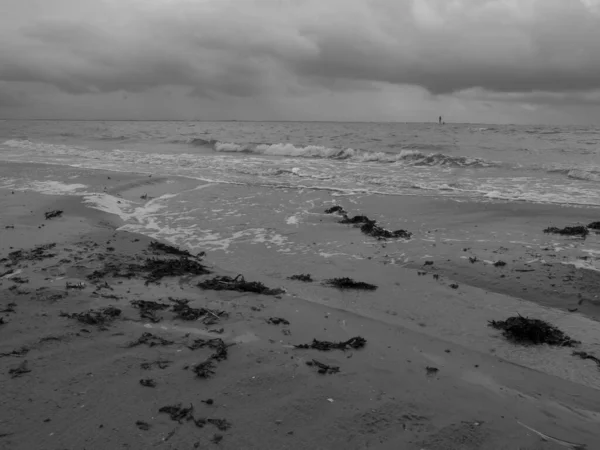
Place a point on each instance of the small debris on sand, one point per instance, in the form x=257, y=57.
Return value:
x=19, y=352
x=150, y=340
x=349, y=283
x=52, y=214
x=585, y=355
x=239, y=284
x=499, y=264
x=523, y=330
x=578, y=230
x=323, y=368
x=204, y=369
x=79, y=285
x=354, y=343
x=37, y=253
x=184, y=312
x=221, y=424
x=20, y=370
x=277, y=321
x=177, y=413
x=307, y=278
x=148, y=382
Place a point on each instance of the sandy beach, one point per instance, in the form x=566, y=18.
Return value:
x=232, y=375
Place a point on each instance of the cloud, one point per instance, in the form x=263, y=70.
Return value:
x=546, y=49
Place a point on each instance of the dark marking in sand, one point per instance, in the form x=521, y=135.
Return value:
x=208, y=401
x=221, y=424
x=523, y=330
x=473, y=259
x=177, y=413
x=150, y=340
x=95, y=317
x=354, y=343
x=454, y=286
x=277, y=321
x=307, y=278
x=499, y=264
x=239, y=284
x=323, y=368
x=36, y=254
x=204, y=369
x=20, y=370
x=428, y=263
x=585, y=355
x=349, y=283
x=217, y=438
x=52, y=214
x=148, y=382
x=578, y=230
x=19, y=352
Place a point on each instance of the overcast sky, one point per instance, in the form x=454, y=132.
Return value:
x=515, y=61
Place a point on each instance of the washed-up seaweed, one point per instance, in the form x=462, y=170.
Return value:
x=178, y=413
x=160, y=363
x=594, y=226
x=19, y=352
x=221, y=424
x=77, y=285
x=10, y=308
x=144, y=426
x=370, y=228
x=585, y=355
x=324, y=346
x=499, y=264
x=349, y=283
x=239, y=284
x=154, y=268
x=323, y=368
x=204, y=369
x=149, y=308
x=185, y=312
x=100, y=316
x=307, y=278
x=277, y=321
x=523, y=330
x=150, y=340
x=578, y=230
x=335, y=210
x=160, y=268
x=37, y=253
x=20, y=370
x=52, y=214
x=171, y=250
x=148, y=382
x=216, y=344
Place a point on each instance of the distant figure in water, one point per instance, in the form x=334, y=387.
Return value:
x=440, y=120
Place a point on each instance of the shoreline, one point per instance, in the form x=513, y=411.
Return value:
x=377, y=399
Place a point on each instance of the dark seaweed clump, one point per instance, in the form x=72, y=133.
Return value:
x=206, y=368
x=171, y=250
x=323, y=368
x=150, y=340
x=185, y=312
x=52, y=214
x=307, y=278
x=594, y=226
x=523, y=330
x=370, y=228
x=585, y=355
x=95, y=316
x=324, y=346
x=277, y=321
x=349, y=283
x=38, y=253
x=335, y=209
x=148, y=309
x=155, y=269
x=578, y=230
x=225, y=283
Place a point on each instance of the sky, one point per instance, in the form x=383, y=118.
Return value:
x=495, y=61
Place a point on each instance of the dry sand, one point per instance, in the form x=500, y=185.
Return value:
x=72, y=385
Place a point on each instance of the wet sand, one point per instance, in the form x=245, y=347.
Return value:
x=80, y=386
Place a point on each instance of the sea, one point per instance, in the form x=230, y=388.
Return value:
x=254, y=196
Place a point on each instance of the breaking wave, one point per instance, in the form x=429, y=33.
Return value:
x=406, y=156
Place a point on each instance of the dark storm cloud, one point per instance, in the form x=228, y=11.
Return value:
x=268, y=47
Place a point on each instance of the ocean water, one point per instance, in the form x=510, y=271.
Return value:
x=257, y=192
